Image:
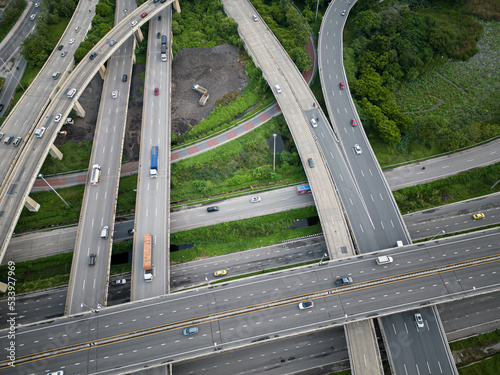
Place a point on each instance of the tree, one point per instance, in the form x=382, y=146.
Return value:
x=367, y=22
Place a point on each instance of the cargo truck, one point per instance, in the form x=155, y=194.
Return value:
x=153, y=172
x=148, y=258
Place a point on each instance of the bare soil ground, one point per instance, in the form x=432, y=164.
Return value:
x=216, y=69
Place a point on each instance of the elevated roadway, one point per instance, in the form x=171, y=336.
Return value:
x=250, y=311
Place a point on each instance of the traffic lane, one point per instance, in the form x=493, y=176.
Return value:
x=315, y=352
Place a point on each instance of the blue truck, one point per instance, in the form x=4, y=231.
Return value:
x=153, y=172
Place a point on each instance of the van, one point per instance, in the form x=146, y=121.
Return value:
x=55, y=75
x=96, y=174
x=384, y=260
x=104, y=232
x=39, y=132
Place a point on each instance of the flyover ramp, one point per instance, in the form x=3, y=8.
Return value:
x=88, y=284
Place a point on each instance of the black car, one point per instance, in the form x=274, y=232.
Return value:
x=212, y=209
x=343, y=281
x=60, y=47
x=124, y=78
x=93, y=55
x=158, y=35
x=1, y=107
x=92, y=259
x=159, y=17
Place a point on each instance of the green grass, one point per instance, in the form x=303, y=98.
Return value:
x=467, y=185
x=477, y=342
x=241, y=235
x=238, y=165
x=488, y=366
x=76, y=158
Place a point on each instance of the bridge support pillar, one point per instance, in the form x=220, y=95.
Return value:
x=102, y=71
x=177, y=6
x=31, y=205
x=79, y=109
x=55, y=152
x=138, y=35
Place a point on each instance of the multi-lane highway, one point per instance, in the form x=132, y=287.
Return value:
x=253, y=309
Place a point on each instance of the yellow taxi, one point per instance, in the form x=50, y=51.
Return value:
x=220, y=273
x=478, y=216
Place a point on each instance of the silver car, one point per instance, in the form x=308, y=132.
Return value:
x=357, y=149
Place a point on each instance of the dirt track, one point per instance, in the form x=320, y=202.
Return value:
x=217, y=69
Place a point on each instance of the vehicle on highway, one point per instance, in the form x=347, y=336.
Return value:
x=342, y=85
x=314, y=123
x=343, y=281
x=7, y=140
x=343, y=13
x=60, y=372
x=114, y=94
x=162, y=1
x=71, y=93
x=157, y=91
x=1, y=136
x=255, y=200
x=77, y=29
x=147, y=258
x=255, y=18
x=60, y=47
x=478, y=216
x=120, y=282
x=58, y=117
x=124, y=78
x=112, y=42
x=133, y=23
x=212, y=209
x=64, y=53
x=1, y=107
x=306, y=305
x=278, y=89
x=419, y=321
x=353, y=122
x=17, y=141
x=158, y=35
x=104, y=232
x=56, y=75
x=384, y=260
x=144, y=14
x=159, y=17
x=39, y=132
x=92, y=259
x=153, y=170
x=37, y=5
x=357, y=149
x=32, y=17
x=71, y=41
x=93, y=55
x=220, y=273
x=96, y=174
x=190, y=331
x=311, y=163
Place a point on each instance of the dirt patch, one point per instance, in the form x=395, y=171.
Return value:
x=217, y=69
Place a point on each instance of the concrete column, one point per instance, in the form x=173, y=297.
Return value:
x=138, y=35
x=79, y=109
x=177, y=6
x=102, y=71
x=55, y=152
x=31, y=205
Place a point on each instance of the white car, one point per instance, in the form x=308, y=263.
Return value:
x=357, y=149
x=343, y=13
x=306, y=305
x=255, y=200
x=58, y=117
x=114, y=94
x=71, y=41
x=39, y=132
x=419, y=321
x=314, y=123
x=71, y=93
x=133, y=23
x=278, y=89
x=255, y=18
x=37, y=5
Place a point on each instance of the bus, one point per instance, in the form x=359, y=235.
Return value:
x=303, y=189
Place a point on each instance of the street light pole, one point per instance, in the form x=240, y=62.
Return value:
x=321, y=261
x=41, y=176
x=438, y=233
x=13, y=75
x=274, y=153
